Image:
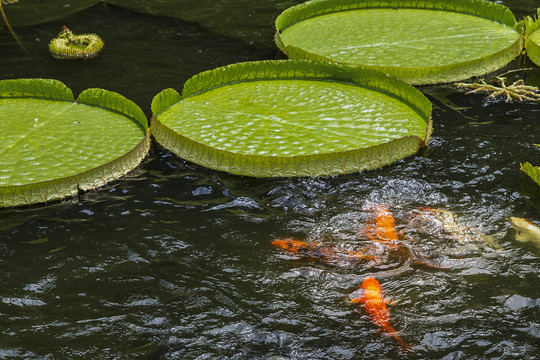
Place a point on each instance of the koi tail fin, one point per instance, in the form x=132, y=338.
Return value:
x=403, y=346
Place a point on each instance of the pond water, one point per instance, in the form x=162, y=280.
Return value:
x=175, y=261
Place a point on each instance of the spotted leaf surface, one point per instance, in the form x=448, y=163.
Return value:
x=424, y=42
x=52, y=147
x=293, y=118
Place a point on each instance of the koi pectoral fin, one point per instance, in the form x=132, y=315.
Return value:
x=429, y=262
x=435, y=263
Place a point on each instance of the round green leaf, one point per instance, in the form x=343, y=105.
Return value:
x=51, y=146
x=292, y=118
x=421, y=42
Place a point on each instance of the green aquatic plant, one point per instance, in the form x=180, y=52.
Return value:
x=517, y=91
x=70, y=46
x=420, y=42
x=532, y=171
x=292, y=118
x=532, y=38
x=52, y=146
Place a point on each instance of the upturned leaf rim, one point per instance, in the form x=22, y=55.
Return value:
x=413, y=75
x=532, y=47
x=62, y=187
x=288, y=166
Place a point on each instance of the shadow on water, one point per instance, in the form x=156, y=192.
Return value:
x=142, y=54
x=176, y=261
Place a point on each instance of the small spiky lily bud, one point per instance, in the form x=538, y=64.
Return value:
x=70, y=46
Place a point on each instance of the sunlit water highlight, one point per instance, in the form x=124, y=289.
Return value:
x=175, y=261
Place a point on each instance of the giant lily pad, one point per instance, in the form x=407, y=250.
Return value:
x=421, y=42
x=532, y=41
x=51, y=146
x=248, y=20
x=24, y=13
x=292, y=118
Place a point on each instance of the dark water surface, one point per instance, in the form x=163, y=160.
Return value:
x=175, y=261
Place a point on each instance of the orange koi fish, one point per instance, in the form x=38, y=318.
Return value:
x=316, y=250
x=375, y=306
x=384, y=227
x=383, y=230
x=292, y=245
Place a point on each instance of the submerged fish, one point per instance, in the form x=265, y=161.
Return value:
x=383, y=229
x=385, y=244
x=438, y=222
x=374, y=304
x=444, y=221
x=292, y=244
x=526, y=231
x=317, y=250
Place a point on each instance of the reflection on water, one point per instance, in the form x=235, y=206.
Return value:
x=176, y=261
x=142, y=54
